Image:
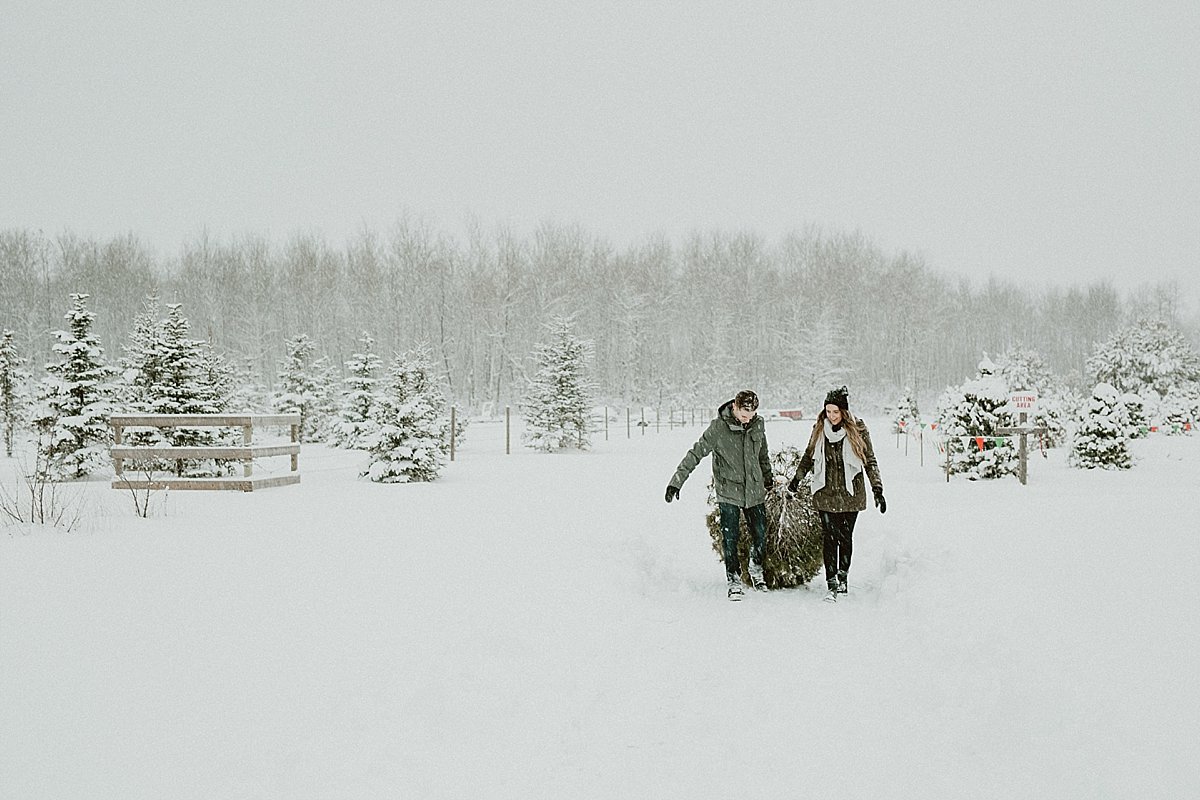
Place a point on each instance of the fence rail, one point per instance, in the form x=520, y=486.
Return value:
x=246, y=453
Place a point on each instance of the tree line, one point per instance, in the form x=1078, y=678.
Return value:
x=672, y=323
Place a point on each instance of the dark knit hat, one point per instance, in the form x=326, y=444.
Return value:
x=839, y=397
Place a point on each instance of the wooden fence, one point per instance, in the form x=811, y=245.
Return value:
x=246, y=453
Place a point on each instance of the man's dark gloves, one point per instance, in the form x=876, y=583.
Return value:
x=672, y=493
x=880, y=503
x=794, y=485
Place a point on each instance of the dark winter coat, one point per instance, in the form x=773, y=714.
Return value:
x=833, y=497
x=741, y=464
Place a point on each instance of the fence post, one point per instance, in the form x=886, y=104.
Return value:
x=507, y=431
x=606, y=423
x=295, y=456
x=628, y=424
x=247, y=440
x=118, y=463
x=453, y=428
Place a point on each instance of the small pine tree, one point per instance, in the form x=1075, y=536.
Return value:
x=358, y=395
x=1024, y=370
x=409, y=442
x=14, y=383
x=246, y=390
x=906, y=417
x=1136, y=414
x=1100, y=438
x=1148, y=355
x=558, y=400
x=971, y=414
x=302, y=387
x=75, y=400
x=1180, y=407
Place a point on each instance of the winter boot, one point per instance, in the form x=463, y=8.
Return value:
x=842, y=586
x=756, y=577
x=831, y=595
x=735, y=587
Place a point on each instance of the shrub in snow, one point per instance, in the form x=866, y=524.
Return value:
x=905, y=416
x=360, y=387
x=1024, y=370
x=558, y=401
x=74, y=400
x=971, y=414
x=1136, y=414
x=165, y=371
x=792, y=554
x=1100, y=438
x=304, y=386
x=409, y=442
x=1179, y=409
x=1148, y=355
x=14, y=389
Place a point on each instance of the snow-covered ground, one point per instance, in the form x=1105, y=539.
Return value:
x=540, y=625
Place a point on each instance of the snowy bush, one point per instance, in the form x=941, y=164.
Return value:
x=906, y=418
x=306, y=386
x=74, y=400
x=1136, y=414
x=14, y=390
x=1149, y=355
x=792, y=554
x=1024, y=370
x=1101, y=437
x=165, y=371
x=360, y=387
x=971, y=414
x=409, y=442
x=1179, y=408
x=558, y=401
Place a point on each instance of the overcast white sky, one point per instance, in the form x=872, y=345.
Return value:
x=1033, y=139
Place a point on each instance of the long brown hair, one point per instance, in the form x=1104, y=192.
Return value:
x=853, y=434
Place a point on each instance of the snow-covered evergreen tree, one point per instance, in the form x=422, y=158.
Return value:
x=247, y=394
x=558, y=399
x=74, y=400
x=190, y=382
x=1179, y=408
x=1147, y=355
x=165, y=371
x=1100, y=438
x=302, y=388
x=968, y=416
x=14, y=389
x=906, y=417
x=360, y=387
x=1024, y=370
x=409, y=442
x=1137, y=415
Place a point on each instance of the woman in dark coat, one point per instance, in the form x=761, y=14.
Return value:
x=839, y=454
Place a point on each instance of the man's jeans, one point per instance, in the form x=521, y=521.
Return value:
x=756, y=520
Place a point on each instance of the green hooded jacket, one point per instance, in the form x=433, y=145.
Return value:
x=741, y=464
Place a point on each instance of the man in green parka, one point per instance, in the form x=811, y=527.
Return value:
x=737, y=439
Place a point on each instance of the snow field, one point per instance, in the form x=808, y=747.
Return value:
x=540, y=625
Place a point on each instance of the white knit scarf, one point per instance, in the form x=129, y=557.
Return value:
x=851, y=463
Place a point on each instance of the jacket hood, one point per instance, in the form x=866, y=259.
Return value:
x=725, y=412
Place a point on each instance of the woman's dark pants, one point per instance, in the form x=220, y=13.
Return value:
x=839, y=544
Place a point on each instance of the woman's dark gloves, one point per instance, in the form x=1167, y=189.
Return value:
x=880, y=503
x=672, y=493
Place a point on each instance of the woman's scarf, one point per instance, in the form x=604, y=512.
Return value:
x=851, y=463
